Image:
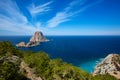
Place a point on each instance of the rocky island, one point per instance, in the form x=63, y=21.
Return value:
x=35, y=40
x=110, y=65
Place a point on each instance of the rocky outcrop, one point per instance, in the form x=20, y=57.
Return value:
x=30, y=73
x=13, y=59
x=21, y=44
x=34, y=41
x=38, y=37
x=110, y=65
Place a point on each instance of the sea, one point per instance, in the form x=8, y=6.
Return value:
x=82, y=51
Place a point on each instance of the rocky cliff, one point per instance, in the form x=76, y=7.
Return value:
x=34, y=41
x=38, y=37
x=110, y=65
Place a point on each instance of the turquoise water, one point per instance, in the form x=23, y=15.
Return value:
x=81, y=51
x=89, y=65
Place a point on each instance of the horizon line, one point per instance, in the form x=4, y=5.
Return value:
x=62, y=35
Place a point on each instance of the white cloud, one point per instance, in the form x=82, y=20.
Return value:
x=68, y=13
x=34, y=10
x=73, y=4
x=12, y=11
x=59, y=18
x=11, y=19
x=9, y=25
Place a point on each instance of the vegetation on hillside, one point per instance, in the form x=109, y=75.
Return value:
x=50, y=69
x=9, y=71
x=46, y=68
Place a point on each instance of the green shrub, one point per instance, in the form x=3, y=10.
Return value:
x=104, y=77
x=39, y=61
x=7, y=49
x=9, y=71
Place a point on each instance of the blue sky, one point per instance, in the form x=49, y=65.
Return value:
x=60, y=17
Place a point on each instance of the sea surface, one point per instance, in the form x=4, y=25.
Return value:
x=82, y=51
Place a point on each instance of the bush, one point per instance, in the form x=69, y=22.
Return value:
x=9, y=71
x=39, y=61
x=104, y=77
x=53, y=69
x=7, y=49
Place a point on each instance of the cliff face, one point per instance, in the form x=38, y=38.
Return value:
x=110, y=65
x=34, y=41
